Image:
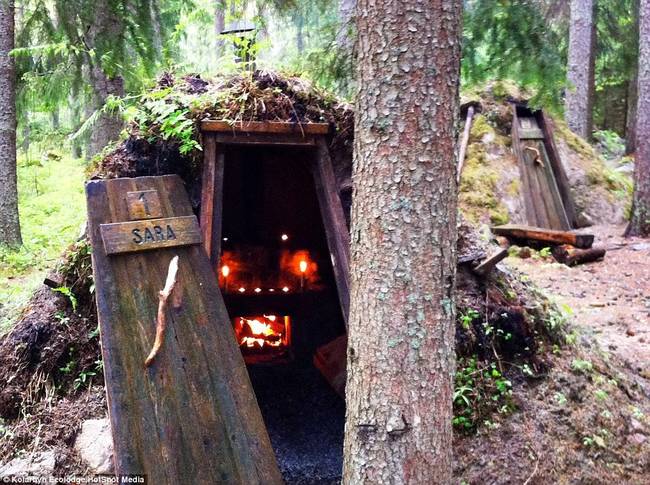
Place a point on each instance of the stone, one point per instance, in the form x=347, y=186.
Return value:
x=637, y=439
x=34, y=464
x=94, y=444
x=630, y=332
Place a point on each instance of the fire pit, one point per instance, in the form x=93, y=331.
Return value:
x=264, y=339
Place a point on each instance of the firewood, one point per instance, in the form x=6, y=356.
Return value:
x=572, y=256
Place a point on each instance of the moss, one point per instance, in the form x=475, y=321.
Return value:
x=478, y=188
x=480, y=128
x=576, y=143
x=514, y=188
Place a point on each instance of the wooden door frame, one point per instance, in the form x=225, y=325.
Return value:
x=217, y=134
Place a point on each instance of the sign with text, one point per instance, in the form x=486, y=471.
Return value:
x=129, y=237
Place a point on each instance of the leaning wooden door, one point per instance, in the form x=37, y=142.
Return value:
x=544, y=205
x=190, y=416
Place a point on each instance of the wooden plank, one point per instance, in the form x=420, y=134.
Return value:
x=571, y=256
x=146, y=235
x=336, y=229
x=542, y=198
x=489, y=264
x=513, y=231
x=561, y=177
x=523, y=172
x=464, y=142
x=279, y=139
x=212, y=198
x=191, y=417
x=275, y=127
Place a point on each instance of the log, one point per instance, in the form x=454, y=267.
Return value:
x=331, y=360
x=530, y=233
x=464, y=142
x=488, y=265
x=571, y=256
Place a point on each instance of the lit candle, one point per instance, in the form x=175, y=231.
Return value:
x=303, y=270
x=225, y=271
x=284, y=237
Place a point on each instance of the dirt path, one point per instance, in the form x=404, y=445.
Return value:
x=610, y=298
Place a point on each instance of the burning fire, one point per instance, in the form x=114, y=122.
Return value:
x=258, y=332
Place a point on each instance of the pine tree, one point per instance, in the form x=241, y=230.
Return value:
x=640, y=222
x=401, y=325
x=580, y=70
x=9, y=220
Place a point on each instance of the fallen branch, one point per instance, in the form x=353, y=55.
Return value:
x=163, y=297
x=464, y=142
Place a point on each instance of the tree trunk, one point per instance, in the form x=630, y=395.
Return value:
x=401, y=327
x=346, y=24
x=580, y=70
x=640, y=222
x=9, y=220
x=219, y=25
x=299, y=20
x=108, y=125
x=632, y=100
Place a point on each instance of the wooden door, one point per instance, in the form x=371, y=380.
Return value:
x=544, y=205
x=191, y=416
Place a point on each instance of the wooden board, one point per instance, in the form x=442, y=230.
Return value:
x=529, y=233
x=277, y=127
x=544, y=185
x=191, y=417
x=146, y=235
x=545, y=206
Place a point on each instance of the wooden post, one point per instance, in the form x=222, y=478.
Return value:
x=336, y=229
x=464, y=142
x=212, y=198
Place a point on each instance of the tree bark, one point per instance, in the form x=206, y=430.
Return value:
x=9, y=220
x=632, y=100
x=580, y=69
x=346, y=24
x=108, y=126
x=219, y=25
x=401, y=327
x=640, y=221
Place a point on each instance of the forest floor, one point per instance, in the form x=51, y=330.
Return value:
x=610, y=299
x=52, y=210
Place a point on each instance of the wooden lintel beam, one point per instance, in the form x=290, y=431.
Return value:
x=276, y=127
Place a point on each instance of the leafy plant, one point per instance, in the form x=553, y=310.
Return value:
x=64, y=290
x=468, y=317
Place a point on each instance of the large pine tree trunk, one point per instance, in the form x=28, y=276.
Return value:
x=632, y=101
x=9, y=221
x=107, y=128
x=580, y=69
x=401, y=327
x=640, y=222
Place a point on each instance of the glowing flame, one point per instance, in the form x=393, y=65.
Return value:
x=260, y=330
x=284, y=237
x=303, y=266
x=225, y=271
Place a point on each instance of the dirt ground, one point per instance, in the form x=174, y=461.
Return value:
x=610, y=299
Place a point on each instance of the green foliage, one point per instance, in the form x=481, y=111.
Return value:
x=468, y=317
x=52, y=210
x=67, y=292
x=511, y=39
x=480, y=391
x=580, y=366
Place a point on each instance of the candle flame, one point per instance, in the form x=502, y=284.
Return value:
x=303, y=266
x=225, y=271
